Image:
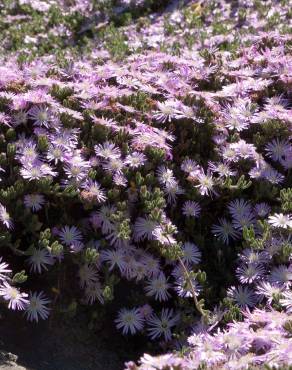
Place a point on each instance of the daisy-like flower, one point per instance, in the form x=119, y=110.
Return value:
x=281, y=275
x=185, y=111
x=273, y=176
x=36, y=170
x=19, y=118
x=242, y=296
x=163, y=236
x=65, y=138
x=167, y=111
x=189, y=165
x=70, y=235
x=37, y=307
x=27, y=153
x=277, y=149
x=191, y=209
x=135, y=160
x=104, y=217
x=161, y=326
x=4, y=271
x=243, y=150
x=40, y=259
x=92, y=191
x=225, y=231
x=236, y=123
x=17, y=300
x=159, y=362
x=56, y=154
x=143, y=228
x=152, y=265
x=262, y=209
x=76, y=168
x=34, y=201
x=107, y=150
x=158, y=287
x=206, y=183
x=129, y=320
x=186, y=287
x=41, y=115
x=165, y=176
x=114, y=165
x=191, y=253
x=5, y=217
x=172, y=191
x=93, y=293
x=115, y=258
x=5, y=119
x=222, y=169
x=120, y=179
x=242, y=221
x=247, y=274
x=251, y=256
x=76, y=247
x=286, y=301
x=239, y=208
x=87, y=275
x=269, y=291
x=146, y=310
x=280, y=220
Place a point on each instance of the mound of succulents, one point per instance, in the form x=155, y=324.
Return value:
x=147, y=164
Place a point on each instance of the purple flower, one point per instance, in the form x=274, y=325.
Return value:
x=206, y=183
x=161, y=325
x=277, y=149
x=242, y=296
x=36, y=171
x=135, y=160
x=5, y=217
x=39, y=260
x=16, y=299
x=191, y=253
x=248, y=274
x=34, y=201
x=191, y=209
x=70, y=235
x=93, y=192
x=107, y=150
x=158, y=287
x=4, y=271
x=41, y=115
x=225, y=231
x=37, y=307
x=130, y=320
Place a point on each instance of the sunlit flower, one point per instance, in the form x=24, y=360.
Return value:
x=280, y=220
x=16, y=299
x=5, y=217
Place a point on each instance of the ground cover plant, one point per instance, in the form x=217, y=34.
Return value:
x=146, y=169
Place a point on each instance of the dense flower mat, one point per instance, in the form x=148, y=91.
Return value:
x=148, y=164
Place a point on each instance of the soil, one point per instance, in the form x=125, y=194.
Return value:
x=61, y=346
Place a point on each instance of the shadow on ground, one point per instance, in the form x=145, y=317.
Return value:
x=62, y=346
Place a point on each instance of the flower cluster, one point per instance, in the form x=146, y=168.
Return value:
x=152, y=157
x=264, y=337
